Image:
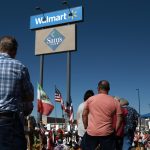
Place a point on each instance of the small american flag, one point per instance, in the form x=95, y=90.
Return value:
x=58, y=97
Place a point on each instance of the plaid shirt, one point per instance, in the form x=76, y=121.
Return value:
x=15, y=83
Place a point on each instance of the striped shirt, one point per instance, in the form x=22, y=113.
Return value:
x=15, y=83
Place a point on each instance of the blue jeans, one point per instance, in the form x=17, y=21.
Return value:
x=91, y=142
x=127, y=141
x=12, y=134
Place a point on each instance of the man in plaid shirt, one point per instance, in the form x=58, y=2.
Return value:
x=15, y=89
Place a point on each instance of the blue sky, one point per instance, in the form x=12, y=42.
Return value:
x=112, y=44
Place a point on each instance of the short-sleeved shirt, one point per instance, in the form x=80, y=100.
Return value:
x=81, y=129
x=101, y=108
x=15, y=83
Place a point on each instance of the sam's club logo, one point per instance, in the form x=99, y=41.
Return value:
x=54, y=39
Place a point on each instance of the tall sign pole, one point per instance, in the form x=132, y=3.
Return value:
x=68, y=63
x=39, y=115
x=68, y=76
x=69, y=87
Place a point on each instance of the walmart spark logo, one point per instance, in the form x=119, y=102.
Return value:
x=72, y=15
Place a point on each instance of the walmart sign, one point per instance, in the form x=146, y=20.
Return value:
x=57, y=17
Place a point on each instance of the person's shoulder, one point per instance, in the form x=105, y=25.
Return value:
x=81, y=105
x=90, y=99
x=105, y=95
x=17, y=62
x=132, y=110
x=111, y=98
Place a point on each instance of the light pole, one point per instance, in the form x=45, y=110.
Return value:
x=138, y=92
x=40, y=9
x=66, y=3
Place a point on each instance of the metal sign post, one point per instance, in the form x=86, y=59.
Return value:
x=68, y=76
x=39, y=115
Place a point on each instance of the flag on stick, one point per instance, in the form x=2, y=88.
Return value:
x=45, y=107
x=58, y=98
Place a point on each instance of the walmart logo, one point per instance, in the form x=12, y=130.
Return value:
x=54, y=39
x=56, y=17
x=73, y=15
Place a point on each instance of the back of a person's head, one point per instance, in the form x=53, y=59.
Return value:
x=8, y=44
x=104, y=85
x=123, y=102
x=88, y=94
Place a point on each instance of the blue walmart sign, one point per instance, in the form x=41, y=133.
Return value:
x=57, y=17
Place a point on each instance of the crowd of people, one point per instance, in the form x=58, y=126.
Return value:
x=104, y=122
x=40, y=137
x=44, y=137
x=141, y=140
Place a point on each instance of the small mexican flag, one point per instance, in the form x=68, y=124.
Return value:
x=45, y=107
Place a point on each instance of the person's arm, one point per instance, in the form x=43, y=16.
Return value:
x=118, y=122
x=28, y=90
x=119, y=118
x=85, y=117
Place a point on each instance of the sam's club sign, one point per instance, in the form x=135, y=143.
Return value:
x=57, y=17
x=54, y=39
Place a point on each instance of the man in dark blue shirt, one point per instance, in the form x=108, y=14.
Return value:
x=15, y=89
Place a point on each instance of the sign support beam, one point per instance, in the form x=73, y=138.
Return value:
x=68, y=76
x=39, y=115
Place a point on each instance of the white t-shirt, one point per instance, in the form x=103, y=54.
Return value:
x=81, y=129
